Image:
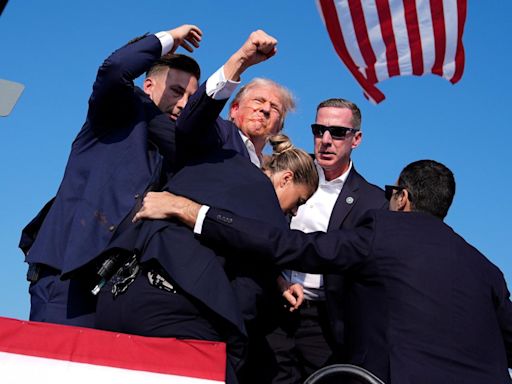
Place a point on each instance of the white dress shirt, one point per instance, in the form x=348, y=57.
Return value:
x=314, y=216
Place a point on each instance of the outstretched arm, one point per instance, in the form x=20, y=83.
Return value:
x=258, y=47
x=316, y=252
x=113, y=90
x=165, y=205
x=199, y=117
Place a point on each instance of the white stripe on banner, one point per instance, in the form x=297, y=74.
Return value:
x=375, y=34
x=43, y=353
x=401, y=37
x=426, y=34
x=29, y=369
x=349, y=34
x=451, y=23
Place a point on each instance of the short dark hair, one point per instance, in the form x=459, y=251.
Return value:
x=176, y=61
x=347, y=104
x=431, y=186
x=171, y=60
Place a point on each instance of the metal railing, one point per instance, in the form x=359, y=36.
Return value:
x=331, y=373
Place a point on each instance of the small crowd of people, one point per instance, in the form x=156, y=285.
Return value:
x=171, y=222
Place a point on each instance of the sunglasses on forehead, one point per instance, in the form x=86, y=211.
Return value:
x=335, y=131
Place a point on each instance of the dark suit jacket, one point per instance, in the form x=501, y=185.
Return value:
x=201, y=129
x=231, y=289
x=124, y=149
x=112, y=162
x=432, y=308
x=356, y=198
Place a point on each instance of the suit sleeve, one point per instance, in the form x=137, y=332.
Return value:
x=113, y=90
x=504, y=315
x=199, y=128
x=316, y=252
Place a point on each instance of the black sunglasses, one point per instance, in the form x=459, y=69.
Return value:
x=336, y=132
x=388, y=190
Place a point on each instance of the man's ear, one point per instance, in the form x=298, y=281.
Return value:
x=149, y=83
x=403, y=202
x=358, y=137
x=233, y=110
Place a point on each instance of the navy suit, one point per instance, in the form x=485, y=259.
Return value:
x=210, y=131
x=221, y=285
x=313, y=337
x=345, y=215
x=115, y=158
x=430, y=308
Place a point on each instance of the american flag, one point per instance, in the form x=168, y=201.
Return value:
x=379, y=39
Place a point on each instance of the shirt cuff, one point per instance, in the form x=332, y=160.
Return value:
x=201, y=215
x=218, y=88
x=166, y=40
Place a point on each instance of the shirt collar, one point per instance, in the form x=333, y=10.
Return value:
x=255, y=159
x=339, y=181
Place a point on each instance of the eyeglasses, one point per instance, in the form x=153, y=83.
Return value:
x=337, y=133
x=389, y=189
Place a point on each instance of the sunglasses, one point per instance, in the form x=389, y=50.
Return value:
x=389, y=189
x=337, y=133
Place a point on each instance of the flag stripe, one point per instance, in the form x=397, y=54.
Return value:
x=30, y=369
x=361, y=32
x=411, y=21
x=371, y=16
x=437, y=11
x=451, y=29
x=388, y=37
x=196, y=358
x=333, y=28
x=378, y=39
x=427, y=34
x=459, y=55
x=401, y=36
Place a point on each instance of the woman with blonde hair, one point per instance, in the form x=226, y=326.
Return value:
x=180, y=287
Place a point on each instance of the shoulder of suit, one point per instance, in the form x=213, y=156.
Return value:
x=371, y=191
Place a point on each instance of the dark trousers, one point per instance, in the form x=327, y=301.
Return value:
x=146, y=310
x=68, y=302
x=301, y=342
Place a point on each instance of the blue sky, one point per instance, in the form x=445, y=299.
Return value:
x=55, y=47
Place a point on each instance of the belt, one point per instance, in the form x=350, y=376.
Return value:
x=312, y=303
x=37, y=271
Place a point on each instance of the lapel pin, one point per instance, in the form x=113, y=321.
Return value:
x=349, y=200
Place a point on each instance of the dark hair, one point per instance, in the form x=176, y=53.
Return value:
x=342, y=103
x=285, y=156
x=171, y=60
x=431, y=186
x=176, y=61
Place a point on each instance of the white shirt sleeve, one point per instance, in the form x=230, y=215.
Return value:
x=166, y=40
x=198, y=227
x=218, y=88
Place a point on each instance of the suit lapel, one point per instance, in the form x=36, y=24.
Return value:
x=346, y=201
